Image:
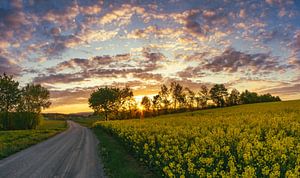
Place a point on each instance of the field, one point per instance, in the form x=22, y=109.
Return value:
x=14, y=141
x=86, y=122
x=260, y=140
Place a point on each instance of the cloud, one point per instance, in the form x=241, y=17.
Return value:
x=89, y=64
x=17, y=4
x=70, y=96
x=58, y=78
x=290, y=89
x=193, y=26
x=231, y=61
x=145, y=44
x=102, y=67
x=9, y=67
x=191, y=72
x=242, y=13
x=13, y=19
x=70, y=64
x=50, y=26
x=154, y=31
x=121, y=15
x=89, y=36
x=148, y=76
x=296, y=43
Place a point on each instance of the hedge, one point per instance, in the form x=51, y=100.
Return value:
x=19, y=120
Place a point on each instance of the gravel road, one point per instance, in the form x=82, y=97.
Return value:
x=69, y=154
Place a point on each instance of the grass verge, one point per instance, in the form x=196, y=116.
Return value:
x=86, y=122
x=118, y=162
x=16, y=140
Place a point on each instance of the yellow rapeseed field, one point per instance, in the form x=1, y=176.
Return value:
x=257, y=140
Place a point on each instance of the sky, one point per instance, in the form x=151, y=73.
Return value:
x=72, y=47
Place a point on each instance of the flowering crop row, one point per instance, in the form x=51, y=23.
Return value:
x=260, y=140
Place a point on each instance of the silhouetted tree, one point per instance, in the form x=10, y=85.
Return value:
x=190, y=98
x=268, y=98
x=104, y=100
x=203, y=96
x=218, y=94
x=125, y=103
x=146, y=103
x=164, y=97
x=34, y=98
x=177, y=94
x=10, y=94
x=119, y=102
x=249, y=97
x=234, y=97
x=156, y=103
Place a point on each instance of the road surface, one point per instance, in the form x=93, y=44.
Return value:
x=69, y=154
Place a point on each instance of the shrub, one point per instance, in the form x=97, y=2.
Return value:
x=19, y=120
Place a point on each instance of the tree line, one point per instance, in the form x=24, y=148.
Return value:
x=116, y=103
x=20, y=107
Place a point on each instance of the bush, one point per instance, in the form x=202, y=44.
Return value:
x=19, y=120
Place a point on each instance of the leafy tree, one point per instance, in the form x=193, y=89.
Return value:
x=125, y=97
x=182, y=100
x=249, y=97
x=234, y=97
x=218, y=94
x=9, y=93
x=177, y=94
x=203, y=96
x=156, y=102
x=164, y=97
x=146, y=102
x=104, y=100
x=268, y=98
x=190, y=97
x=126, y=102
x=34, y=98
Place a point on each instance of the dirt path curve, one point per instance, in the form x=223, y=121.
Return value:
x=69, y=154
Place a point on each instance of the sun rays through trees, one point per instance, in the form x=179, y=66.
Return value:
x=118, y=103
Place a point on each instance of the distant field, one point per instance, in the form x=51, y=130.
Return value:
x=261, y=140
x=14, y=141
x=87, y=122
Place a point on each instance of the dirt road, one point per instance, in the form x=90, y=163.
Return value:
x=70, y=154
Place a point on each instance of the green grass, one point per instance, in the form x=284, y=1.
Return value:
x=87, y=122
x=16, y=140
x=118, y=162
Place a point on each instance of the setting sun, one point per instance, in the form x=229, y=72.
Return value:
x=76, y=46
x=136, y=88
